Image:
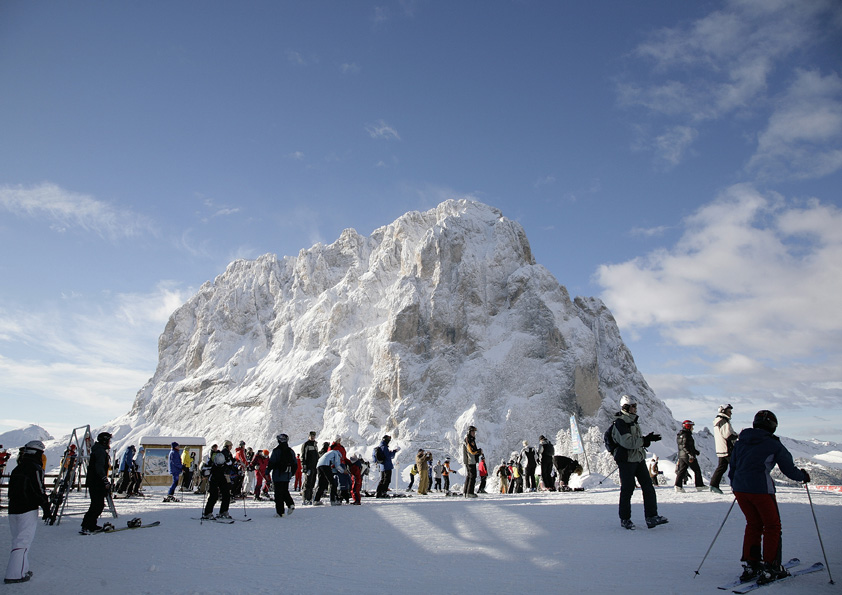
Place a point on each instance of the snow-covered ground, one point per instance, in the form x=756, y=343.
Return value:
x=512, y=544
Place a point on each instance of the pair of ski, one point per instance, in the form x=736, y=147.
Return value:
x=738, y=586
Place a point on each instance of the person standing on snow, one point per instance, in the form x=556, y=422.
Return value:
x=630, y=456
x=126, y=464
x=26, y=496
x=282, y=466
x=724, y=437
x=528, y=457
x=296, y=487
x=687, y=453
x=755, y=454
x=445, y=474
x=329, y=465
x=384, y=462
x=174, y=465
x=423, y=467
x=470, y=456
x=309, y=463
x=654, y=472
x=483, y=475
x=545, y=459
x=219, y=469
x=437, y=471
x=97, y=482
x=260, y=462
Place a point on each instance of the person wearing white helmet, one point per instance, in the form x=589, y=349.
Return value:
x=724, y=437
x=631, y=460
x=26, y=496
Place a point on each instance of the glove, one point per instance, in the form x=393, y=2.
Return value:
x=806, y=476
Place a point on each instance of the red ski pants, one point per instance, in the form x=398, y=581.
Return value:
x=763, y=522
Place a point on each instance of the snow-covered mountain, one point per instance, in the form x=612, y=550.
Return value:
x=434, y=322
x=14, y=439
x=437, y=321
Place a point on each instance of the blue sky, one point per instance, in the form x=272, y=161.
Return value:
x=680, y=160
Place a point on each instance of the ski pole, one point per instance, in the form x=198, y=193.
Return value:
x=826, y=565
x=202, y=513
x=714, y=537
x=609, y=475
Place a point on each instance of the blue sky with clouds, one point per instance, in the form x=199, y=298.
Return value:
x=683, y=161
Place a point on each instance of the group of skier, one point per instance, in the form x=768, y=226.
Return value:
x=751, y=456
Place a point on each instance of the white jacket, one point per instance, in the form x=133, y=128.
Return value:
x=723, y=434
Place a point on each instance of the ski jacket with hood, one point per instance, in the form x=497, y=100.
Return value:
x=545, y=452
x=723, y=435
x=174, y=462
x=528, y=456
x=628, y=435
x=332, y=459
x=755, y=454
x=469, y=450
x=282, y=463
x=97, y=466
x=386, y=463
x=126, y=461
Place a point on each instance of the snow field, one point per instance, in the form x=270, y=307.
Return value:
x=544, y=542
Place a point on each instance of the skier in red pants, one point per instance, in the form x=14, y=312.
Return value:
x=755, y=454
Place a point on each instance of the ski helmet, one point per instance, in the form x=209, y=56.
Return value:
x=472, y=429
x=265, y=452
x=387, y=438
x=725, y=408
x=688, y=425
x=626, y=402
x=174, y=444
x=242, y=443
x=765, y=420
x=72, y=447
x=103, y=438
x=227, y=444
x=33, y=446
x=283, y=438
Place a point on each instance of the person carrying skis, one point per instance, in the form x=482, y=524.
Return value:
x=687, y=453
x=546, y=451
x=221, y=465
x=470, y=456
x=97, y=482
x=309, y=463
x=282, y=466
x=26, y=496
x=755, y=454
x=528, y=457
x=724, y=437
x=630, y=456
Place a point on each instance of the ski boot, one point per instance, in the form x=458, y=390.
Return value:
x=654, y=521
x=715, y=490
x=771, y=572
x=679, y=489
x=751, y=570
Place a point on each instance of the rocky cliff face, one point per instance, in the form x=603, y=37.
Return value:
x=436, y=321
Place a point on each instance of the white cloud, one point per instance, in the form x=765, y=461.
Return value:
x=65, y=210
x=803, y=138
x=750, y=274
x=673, y=143
x=350, y=68
x=381, y=129
x=750, y=293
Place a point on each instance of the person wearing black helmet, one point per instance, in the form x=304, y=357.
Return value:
x=26, y=496
x=755, y=454
x=97, y=482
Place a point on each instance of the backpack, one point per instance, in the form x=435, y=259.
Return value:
x=608, y=438
x=377, y=455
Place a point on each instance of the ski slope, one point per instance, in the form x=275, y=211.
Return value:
x=526, y=543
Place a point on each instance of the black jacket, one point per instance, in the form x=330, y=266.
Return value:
x=686, y=444
x=98, y=467
x=309, y=454
x=26, y=488
x=282, y=463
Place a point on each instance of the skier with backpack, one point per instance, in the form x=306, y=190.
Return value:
x=546, y=451
x=383, y=456
x=627, y=444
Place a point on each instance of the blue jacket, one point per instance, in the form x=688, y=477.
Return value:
x=386, y=464
x=282, y=463
x=175, y=462
x=755, y=455
x=126, y=461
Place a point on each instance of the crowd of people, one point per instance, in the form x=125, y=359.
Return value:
x=317, y=472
